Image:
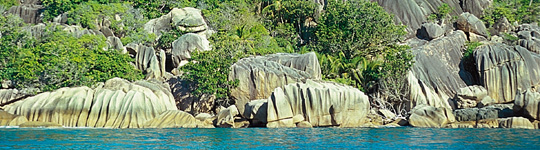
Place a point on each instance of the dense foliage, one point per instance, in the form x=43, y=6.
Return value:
x=520, y=11
x=58, y=59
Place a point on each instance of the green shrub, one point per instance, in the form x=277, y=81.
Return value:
x=443, y=13
x=62, y=60
x=468, y=60
x=9, y=3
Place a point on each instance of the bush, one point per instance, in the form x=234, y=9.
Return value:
x=468, y=61
x=9, y=3
x=443, y=13
x=514, y=11
x=62, y=60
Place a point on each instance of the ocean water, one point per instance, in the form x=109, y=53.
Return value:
x=264, y=138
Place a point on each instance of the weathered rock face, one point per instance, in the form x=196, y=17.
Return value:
x=30, y=13
x=469, y=97
x=226, y=117
x=7, y=119
x=117, y=104
x=475, y=7
x=505, y=70
x=185, y=45
x=489, y=112
x=436, y=76
x=147, y=61
x=515, y=122
x=116, y=43
x=529, y=37
x=431, y=117
x=185, y=19
x=527, y=104
x=413, y=13
x=502, y=25
x=470, y=23
x=320, y=103
x=8, y=95
x=259, y=76
x=175, y=119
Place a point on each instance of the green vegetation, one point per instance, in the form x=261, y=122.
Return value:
x=468, y=61
x=521, y=11
x=443, y=13
x=356, y=43
x=58, y=59
x=8, y=3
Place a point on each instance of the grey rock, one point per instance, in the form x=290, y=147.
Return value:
x=185, y=45
x=320, y=103
x=29, y=13
x=413, y=13
x=506, y=70
x=9, y=95
x=470, y=23
x=185, y=19
x=527, y=104
x=116, y=43
x=469, y=97
x=489, y=112
x=226, y=117
x=515, y=123
x=147, y=61
x=476, y=7
x=503, y=25
x=175, y=119
x=259, y=76
x=256, y=112
x=431, y=31
x=436, y=76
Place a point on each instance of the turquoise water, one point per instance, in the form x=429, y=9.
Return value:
x=263, y=138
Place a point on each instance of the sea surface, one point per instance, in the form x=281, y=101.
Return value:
x=264, y=138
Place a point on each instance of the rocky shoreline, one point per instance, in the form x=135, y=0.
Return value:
x=287, y=90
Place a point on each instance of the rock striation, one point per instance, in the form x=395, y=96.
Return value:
x=259, y=76
x=506, y=70
x=147, y=61
x=7, y=119
x=529, y=37
x=471, y=96
x=320, y=103
x=116, y=104
x=471, y=24
x=30, y=12
x=436, y=75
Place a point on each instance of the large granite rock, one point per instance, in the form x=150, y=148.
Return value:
x=529, y=37
x=506, y=70
x=430, y=31
x=226, y=117
x=256, y=112
x=320, y=103
x=470, y=23
x=9, y=95
x=527, y=104
x=259, y=76
x=436, y=75
x=489, y=112
x=476, y=7
x=185, y=45
x=30, y=13
x=185, y=19
x=176, y=119
x=115, y=43
x=147, y=61
x=470, y=96
x=7, y=119
x=431, y=117
x=40, y=124
x=116, y=104
x=413, y=13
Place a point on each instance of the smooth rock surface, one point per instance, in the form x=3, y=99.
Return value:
x=226, y=117
x=256, y=111
x=185, y=45
x=175, y=119
x=7, y=119
x=320, y=103
x=489, y=112
x=116, y=104
x=39, y=124
x=259, y=76
x=527, y=104
x=29, y=13
x=470, y=96
x=431, y=117
x=147, y=61
x=184, y=19
x=470, y=23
